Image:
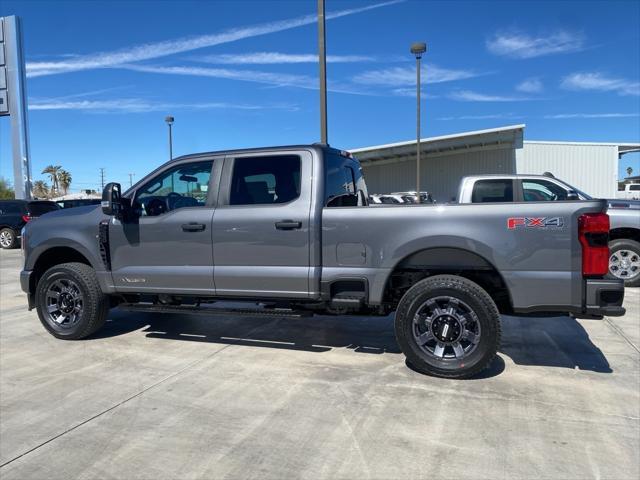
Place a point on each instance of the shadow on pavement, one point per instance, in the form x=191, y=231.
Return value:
x=548, y=342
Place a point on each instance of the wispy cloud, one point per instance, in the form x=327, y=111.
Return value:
x=411, y=92
x=530, y=85
x=471, y=96
x=137, y=105
x=494, y=116
x=600, y=82
x=561, y=116
x=151, y=51
x=521, y=45
x=268, y=78
x=406, y=76
x=273, y=58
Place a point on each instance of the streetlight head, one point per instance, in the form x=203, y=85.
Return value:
x=168, y=119
x=418, y=48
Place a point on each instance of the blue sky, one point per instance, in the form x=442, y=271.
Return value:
x=103, y=75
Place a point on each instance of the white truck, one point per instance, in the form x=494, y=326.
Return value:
x=624, y=215
x=631, y=192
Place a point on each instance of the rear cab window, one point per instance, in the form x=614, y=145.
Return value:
x=37, y=209
x=487, y=191
x=343, y=180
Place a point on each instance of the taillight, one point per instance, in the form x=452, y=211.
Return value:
x=593, y=231
x=26, y=218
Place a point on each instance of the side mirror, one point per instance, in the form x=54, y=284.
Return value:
x=363, y=201
x=112, y=200
x=571, y=195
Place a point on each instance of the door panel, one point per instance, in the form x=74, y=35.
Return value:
x=167, y=249
x=157, y=254
x=253, y=256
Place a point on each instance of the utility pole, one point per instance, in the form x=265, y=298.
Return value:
x=131, y=179
x=322, y=57
x=102, y=177
x=418, y=49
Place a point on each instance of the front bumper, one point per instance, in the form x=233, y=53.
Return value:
x=604, y=297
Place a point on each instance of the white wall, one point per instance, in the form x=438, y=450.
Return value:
x=591, y=168
x=440, y=173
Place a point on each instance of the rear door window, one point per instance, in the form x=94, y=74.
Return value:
x=498, y=190
x=12, y=209
x=542, y=191
x=265, y=180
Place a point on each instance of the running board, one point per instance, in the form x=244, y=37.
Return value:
x=208, y=311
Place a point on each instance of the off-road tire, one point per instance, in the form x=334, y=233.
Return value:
x=630, y=245
x=11, y=239
x=464, y=290
x=95, y=304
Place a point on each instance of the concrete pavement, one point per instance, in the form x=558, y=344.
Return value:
x=166, y=397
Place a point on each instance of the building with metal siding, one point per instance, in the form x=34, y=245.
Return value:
x=591, y=167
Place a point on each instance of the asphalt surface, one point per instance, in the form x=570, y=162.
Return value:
x=166, y=397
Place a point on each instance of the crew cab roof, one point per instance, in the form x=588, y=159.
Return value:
x=312, y=146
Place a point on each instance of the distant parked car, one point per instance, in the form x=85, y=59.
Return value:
x=411, y=197
x=78, y=202
x=377, y=199
x=631, y=191
x=14, y=214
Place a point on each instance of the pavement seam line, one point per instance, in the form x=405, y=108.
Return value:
x=619, y=331
x=113, y=407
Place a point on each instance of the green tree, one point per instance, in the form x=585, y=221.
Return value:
x=6, y=190
x=40, y=189
x=64, y=178
x=53, y=171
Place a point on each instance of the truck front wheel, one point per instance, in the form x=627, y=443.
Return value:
x=69, y=301
x=448, y=326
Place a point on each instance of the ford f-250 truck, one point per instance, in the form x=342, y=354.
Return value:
x=624, y=215
x=288, y=230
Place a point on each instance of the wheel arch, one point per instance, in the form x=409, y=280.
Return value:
x=52, y=256
x=432, y=261
x=625, y=233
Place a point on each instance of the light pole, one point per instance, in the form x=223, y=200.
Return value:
x=169, y=119
x=418, y=49
x=322, y=60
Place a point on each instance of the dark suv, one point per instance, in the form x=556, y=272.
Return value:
x=14, y=214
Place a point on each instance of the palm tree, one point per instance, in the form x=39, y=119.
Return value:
x=64, y=178
x=629, y=171
x=53, y=171
x=40, y=189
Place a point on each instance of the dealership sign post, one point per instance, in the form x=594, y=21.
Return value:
x=13, y=102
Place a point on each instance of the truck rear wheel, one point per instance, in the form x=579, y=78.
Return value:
x=69, y=301
x=624, y=261
x=448, y=326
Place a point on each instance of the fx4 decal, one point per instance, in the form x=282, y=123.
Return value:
x=534, y=222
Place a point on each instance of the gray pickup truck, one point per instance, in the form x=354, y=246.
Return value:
x=624, y=215
x=288, y=232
